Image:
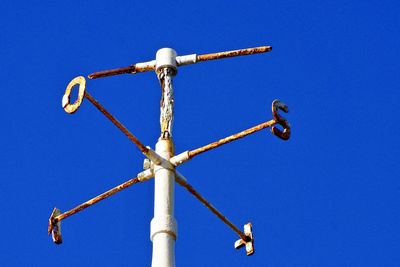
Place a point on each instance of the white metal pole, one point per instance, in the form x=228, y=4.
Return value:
x=163, y=230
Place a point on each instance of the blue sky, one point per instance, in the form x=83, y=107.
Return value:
x=327, y=197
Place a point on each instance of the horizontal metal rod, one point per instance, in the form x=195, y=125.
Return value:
x=234, y=53
x=96, y=199
x=132, y=69
x=119, y=125
x=231, y=138
x=182, y=181
x=105, y=73
x=181, y=60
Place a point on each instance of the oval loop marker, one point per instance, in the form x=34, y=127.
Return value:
x=67, y=106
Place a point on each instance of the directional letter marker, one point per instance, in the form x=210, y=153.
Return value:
x=161, y=163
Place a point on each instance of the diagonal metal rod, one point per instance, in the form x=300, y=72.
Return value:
x=54, y=225
x=119, y=125
x=231, y=138
x=181, y=60
x=182, y=181
x=96, y=199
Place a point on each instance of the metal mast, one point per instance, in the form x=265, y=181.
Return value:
x=161, y=163
x=163, y=226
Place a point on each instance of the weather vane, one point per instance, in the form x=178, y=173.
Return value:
x=161, y=163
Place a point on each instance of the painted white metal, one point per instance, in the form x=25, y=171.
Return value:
x=163, y=227
x=153, y=156
x=163, y=54
x=166, y=58
x=186, y=60
x=145, y=175
x=180, y=158
x=163, y=231
x=162, y=61
x=146, y=66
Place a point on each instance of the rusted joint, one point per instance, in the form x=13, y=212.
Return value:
x=285, y=134
x=153, y=156
x=54, y=227
x=248, y=242
x=67, y=106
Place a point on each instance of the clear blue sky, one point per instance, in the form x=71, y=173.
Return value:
x=327, y=197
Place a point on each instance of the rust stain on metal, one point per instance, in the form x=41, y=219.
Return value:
x=132, y=69
x=234, y=53
x=98, y=198
x=191, y=190
x=148, y=66
x=106, y=73
x=231, y=138
x=56, y=217
x=278, y=119
x=119, y=125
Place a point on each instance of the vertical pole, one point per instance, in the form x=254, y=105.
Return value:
x=163, y=226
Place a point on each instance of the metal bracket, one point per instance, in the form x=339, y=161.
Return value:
x=249, y=242
x=54, y=227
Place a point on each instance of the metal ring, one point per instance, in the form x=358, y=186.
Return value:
x=67, y=106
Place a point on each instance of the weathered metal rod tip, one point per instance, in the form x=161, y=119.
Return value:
x=249, y=242
x=234, y=53
x=54, y=227
x=107, y=73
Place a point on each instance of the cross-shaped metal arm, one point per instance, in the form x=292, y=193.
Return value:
x=166, y=68
x=246, y=237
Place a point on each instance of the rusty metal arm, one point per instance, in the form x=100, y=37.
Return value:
x=132, y=69
x=189, y=154
x=234, y=53
x=181, y=60
x=223, y=141
x=245, y=238
x=119, y=125
x=278, y=119
x=72, y=108
x=54, y=227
